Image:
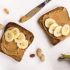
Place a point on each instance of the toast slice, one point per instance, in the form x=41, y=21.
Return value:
x=61, y=16
x=10, y=48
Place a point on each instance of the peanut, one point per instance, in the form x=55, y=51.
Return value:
x=42, y=58
x=40, y=55
x=1, y=26
x=6, y=10
x=38, y=52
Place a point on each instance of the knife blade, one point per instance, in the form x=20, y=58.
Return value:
x=33, y=12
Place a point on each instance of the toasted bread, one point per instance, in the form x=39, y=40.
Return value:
x=59, y=14
x=10, y=48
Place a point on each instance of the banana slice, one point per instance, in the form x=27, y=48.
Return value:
x=16, y=32
x=66, y=30
x=57, y=31
x=23, y=45
x=9, y=36
x=20, y=38
x=49, y=21
x=52, y=27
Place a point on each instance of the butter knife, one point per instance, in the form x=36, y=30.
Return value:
x=33, y=12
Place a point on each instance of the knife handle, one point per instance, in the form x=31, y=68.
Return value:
x=42, y=4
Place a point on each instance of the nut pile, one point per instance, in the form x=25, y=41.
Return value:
x=40, y=55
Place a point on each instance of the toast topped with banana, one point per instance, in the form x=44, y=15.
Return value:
x=56, y=24
x=15, y=40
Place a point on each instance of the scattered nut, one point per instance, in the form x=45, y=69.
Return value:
x=38, y=52
x=6, y=10
x=32, y=55
x=40, y=55
x=42, y=58
x=1, y=26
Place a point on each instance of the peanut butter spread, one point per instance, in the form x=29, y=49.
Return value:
x=60, y=16
x=10, y=48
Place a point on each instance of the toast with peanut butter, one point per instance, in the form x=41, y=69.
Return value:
x=15, y=40
x=56, y=24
